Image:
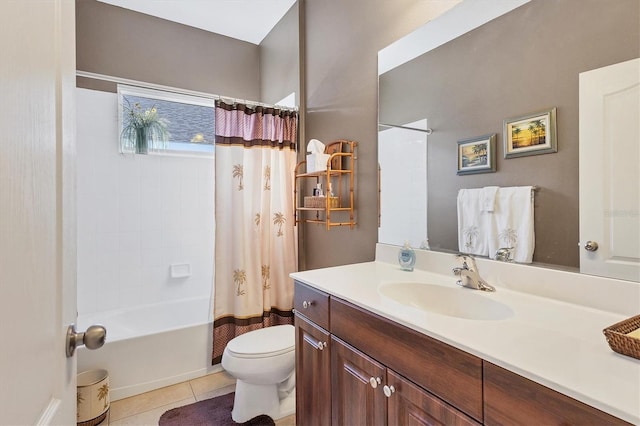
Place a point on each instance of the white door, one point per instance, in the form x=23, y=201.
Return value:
x=610, y=171
x=37, y=211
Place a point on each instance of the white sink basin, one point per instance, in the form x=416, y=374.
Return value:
x=451, y=301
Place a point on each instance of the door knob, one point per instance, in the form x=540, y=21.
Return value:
x=306, y=304
x=591, y=246
x=374, y=382
x=93, y=338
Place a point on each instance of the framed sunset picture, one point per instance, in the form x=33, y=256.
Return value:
x=530, y=134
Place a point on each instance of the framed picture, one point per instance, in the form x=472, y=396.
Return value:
x=477, y=155
x=530, y=134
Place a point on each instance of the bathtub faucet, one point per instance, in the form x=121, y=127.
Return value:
x=469, y=275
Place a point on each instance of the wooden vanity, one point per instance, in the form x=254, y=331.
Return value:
x=355, y=367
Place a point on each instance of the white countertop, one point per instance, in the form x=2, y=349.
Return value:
x=554, y=343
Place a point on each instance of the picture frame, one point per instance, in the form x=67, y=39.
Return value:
x=531, y=134
x=477, y=155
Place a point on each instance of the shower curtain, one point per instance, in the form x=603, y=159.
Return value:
x=256, y=240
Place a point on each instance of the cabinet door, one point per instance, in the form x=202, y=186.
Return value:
x=357, y=381
x=313, y=374
x=412, y=405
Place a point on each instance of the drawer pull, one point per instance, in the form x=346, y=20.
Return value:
x=374, y=382
x=388, y=390
x=306, y=304
x=313, y=342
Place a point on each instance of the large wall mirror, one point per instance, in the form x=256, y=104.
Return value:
x=526, y=57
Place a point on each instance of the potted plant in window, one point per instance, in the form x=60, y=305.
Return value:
x=143, y=128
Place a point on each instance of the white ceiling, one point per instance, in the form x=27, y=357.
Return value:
x=248, y=20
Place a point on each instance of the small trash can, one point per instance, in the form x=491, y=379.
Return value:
x=93, y=398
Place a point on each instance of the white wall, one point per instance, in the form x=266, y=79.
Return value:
x=137, y=215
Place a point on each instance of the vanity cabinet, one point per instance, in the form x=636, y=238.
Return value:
x=344, y=365
x=359, y=368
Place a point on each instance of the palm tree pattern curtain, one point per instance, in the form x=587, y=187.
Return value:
x=256, y=241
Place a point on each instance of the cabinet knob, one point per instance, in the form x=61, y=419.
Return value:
x=306, y=304
x=374, y=382
x=388, y=390
x=321, y=345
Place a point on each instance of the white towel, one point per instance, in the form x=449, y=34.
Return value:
x=511, y=223
x=473, y=223
x=489, y=198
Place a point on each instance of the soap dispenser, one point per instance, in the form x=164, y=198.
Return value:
x=406, y=257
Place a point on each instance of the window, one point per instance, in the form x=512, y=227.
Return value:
x=189, y=119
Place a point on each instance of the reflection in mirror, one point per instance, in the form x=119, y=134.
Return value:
x=512, y=65
x=403, y=148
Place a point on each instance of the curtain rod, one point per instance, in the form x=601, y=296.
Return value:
x=143, y=84
x=427, y=131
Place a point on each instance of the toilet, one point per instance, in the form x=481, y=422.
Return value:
x=263, y=362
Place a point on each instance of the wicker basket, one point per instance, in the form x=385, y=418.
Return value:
x=619, y=341
x=320, y=202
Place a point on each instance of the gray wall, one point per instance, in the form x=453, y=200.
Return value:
x=522, y=62
x=342, y=39
x=117, y=42
x=280, y=60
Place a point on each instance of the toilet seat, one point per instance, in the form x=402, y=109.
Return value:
x=263, y=343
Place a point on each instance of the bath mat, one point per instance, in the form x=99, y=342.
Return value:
x=210, y=412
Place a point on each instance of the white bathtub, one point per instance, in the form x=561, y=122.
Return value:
x=152, y=346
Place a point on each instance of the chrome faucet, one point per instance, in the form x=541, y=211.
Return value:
x=503, y=254
x=469, y=275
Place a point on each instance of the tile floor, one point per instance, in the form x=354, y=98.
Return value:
x=145, y=409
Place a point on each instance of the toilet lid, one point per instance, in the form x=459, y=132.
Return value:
x=265, y=342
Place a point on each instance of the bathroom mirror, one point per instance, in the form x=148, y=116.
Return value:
x=519, y=58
